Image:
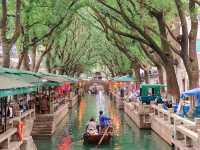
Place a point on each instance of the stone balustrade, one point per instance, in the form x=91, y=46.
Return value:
x=162, y=122
x=72, y=101
x=183, y=133
x=186, y=134
x=9, y=140
x=139, y=113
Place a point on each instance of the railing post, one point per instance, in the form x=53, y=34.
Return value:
x=176, y=123
x=198, y=141
x=197, y=123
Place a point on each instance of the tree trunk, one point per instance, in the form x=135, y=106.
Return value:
x=26, y=61
x=20, y=60
x=33, y=56
x=47, y=50
x=37, y=66
x=160, y=74
x=146, y=76
x=193, y=74
x=48, y=63
x=172, y=84
x=6, y=54
x=136, y=69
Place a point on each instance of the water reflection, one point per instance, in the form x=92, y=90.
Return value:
x=82, y=108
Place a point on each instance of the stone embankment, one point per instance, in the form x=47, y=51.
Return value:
x=181, y=133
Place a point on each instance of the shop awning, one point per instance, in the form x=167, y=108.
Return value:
x=10, y=87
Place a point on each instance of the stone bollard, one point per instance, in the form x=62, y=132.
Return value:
x=140, y=108
x=176, y=134
x=170, y=110
x=160, y=114
x=197, y=123
x=166, y=117
x=198, y=141
x=160, y=106
x=188, y=142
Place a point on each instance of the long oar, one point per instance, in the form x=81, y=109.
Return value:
x=100, y=141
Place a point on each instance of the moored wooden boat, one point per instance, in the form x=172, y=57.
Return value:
x=94, y=139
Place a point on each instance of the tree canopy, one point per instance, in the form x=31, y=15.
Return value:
x=73, y=37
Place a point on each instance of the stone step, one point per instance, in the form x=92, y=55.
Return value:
x=44, y=119
x=42, y=125
x=42, y=129
x=36, y=133
x=41, y=135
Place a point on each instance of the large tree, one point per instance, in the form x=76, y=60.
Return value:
x=10, y=27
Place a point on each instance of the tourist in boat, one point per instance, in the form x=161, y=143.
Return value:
x=104, y=121
x=92, y=127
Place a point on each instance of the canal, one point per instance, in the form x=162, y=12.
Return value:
x=126, y=136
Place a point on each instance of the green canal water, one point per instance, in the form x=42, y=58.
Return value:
x=126, y=137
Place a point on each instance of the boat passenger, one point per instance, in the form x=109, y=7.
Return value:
x=103, y=120
x=92, y=127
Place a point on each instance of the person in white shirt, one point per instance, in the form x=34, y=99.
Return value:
x=92, y=127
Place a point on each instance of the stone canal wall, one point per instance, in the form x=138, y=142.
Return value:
x=46, y=124
x=139, y=113
x=179, y=132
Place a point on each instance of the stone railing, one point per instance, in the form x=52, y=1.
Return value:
x=139, y=113
x=162, y=122
x=29, y=114
x=8, y=139
x=165, y=115
x=186, y=133
x=72, y=101
x=141, y=108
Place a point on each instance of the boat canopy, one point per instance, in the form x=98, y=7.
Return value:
x=152, y=85
x=126, y=78
x=155, y=89
x=194, y=92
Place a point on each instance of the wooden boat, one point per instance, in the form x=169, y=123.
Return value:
x=94, y=139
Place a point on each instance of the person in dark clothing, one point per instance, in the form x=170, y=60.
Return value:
x=121, y=92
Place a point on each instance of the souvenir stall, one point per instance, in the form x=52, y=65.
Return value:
x=13, y=119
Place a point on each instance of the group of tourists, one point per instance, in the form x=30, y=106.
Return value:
x=93, y=128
